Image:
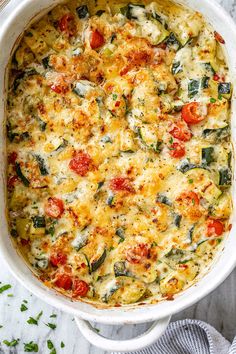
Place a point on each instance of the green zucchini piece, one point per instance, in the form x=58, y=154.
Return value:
x=23, y=75
x=217, y=134
x=80, y=240
x=100, y=12
x=177, y=220
x=207, y=156
x=42, y=124
x=157, y=147
x=45, y=62
x=120, y=269
x=42, y=166
x=172, y=42
x=82, y=87
x=186, y=166
x=205, y=82
x=161, y=198
x=110, y=291
x=19, y=173
x=62, y=146
x=131, y=11
x=39, y=222
x=190, y=233
x=225, y=89
x=193, y=88
x=209, y=68
x=96, y=264
x=82, y=11
x=120, y=233
x=176, y=68
x=110, y=200
x=225, y=177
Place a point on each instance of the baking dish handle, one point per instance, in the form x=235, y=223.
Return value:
x=142, y=341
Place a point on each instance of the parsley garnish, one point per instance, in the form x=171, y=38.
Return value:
x=212, y=100
x=53, y=315
x=114, y=96
x=51, y=347
x=1, y=326
x=34, y=321
x=13, y=343
x=190, y=181
x=4, y=288
x=51, y=325
x=31, y=347
x=10, y=295
x=62, y=345
x=23, y=308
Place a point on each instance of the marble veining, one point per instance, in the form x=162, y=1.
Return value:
x=218, y=308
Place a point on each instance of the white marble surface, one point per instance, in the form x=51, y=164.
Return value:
x=218, y=309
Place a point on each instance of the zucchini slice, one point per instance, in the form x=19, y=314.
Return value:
x=207, y=156
x=42, y=166
x=225, y=177
x=97, y=263
x=120, y=269
x=225, y=89
x=19, y=173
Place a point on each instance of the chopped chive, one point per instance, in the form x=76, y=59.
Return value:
x=13, y=343
x=4, y=288
x=23, y=308
x=34, y=321
x=190, y=181
x=62, y=345
x=31, y=347
x=51, y=325
x=212, y=100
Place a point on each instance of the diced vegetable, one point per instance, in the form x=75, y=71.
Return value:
x=80, y=240
x=96, y=264
x=225, y=177
x=120, y=269
x=205, y=82
x=133, y=12
x=163, y=199
x=177, y=220
x=120, y=233
x=173, y=42
x=190, y=233
x=39, y=222
x=82, y=87
x=186, y=165
x=45, y=62
x=225, y=89
x=216, y=134
x=42, y=165
x=193, y=88
x=208, y=156
x=82, y=11
x=176, y=68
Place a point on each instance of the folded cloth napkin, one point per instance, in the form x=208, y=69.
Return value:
x=190, y=337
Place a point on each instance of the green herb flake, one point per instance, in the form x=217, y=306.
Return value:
x=31, y=347
x=4, y=288
x=23, y=308
x=62, y=345
x=51, y=325
x=1, y=326
x=13, y=343
x=190, y=181
x=34, y=321
x=53, y=315
x=10, y=295
x=50, y=344
x=212, y=100
x=114, y=97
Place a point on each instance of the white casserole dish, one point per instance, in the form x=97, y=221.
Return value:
x=161, y=312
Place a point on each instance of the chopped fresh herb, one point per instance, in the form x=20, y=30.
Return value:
x=13, y=343
x=190, y=181
x=25, y=301
x=4, y=288
x=212, y=100
x=62, y=345
x=1, y=326
x=34, y=321
x=97, y=330
x=31, y=347
x=10, y=295
x=23, y=308
x=51, y=325
x=114, y=96
x=50, y=344
x=53, y=315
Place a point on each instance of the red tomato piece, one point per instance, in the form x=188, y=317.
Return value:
x=219, y=38
x=81, y=163
x=12, y=157
x=190, y=113
x=63, y=281
x=12, y=181
x=181, y=131
x=216, y=77
x=177, y=150
x=96, y=39
x=24, y=242
x=54, y=208
x=67, y=24
x=137, y=254
x=214, y=227
x=58, y=258
x=189, y=198
x=80, y=288
x=121, y=184
x=59, y=88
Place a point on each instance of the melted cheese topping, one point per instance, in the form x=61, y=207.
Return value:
x=119, y=149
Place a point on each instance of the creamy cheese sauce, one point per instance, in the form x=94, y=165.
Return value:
x=119, y=153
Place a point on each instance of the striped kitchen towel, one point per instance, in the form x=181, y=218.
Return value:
x=190, y=337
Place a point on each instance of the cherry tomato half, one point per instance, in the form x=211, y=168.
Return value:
x=58, y=258
x=214, y=227
x=80, y=288
x=12, y=157
x=96, y=39
x=219, y=38
x=177, y=150
x=181, y=131
x=189, y=198
x=190, y=113
x=137, y=254
x=67, y=25
x=81, y=163
x=54, y=208
x=121, y=184
x=63, y=281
